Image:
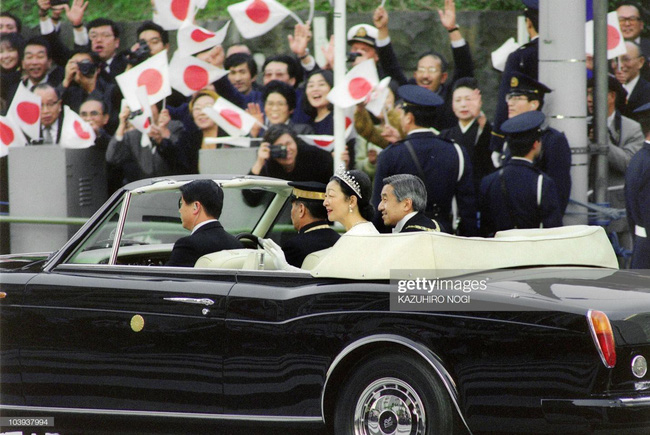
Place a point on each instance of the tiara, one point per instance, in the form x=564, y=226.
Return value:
x=348, y=179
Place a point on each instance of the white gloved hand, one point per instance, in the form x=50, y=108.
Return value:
x=277, y=254
x=496, y=159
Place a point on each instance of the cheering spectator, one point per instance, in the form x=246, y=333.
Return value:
x=12, y=48
x=37, y=64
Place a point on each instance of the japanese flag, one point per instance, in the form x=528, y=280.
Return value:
x=231, y=118
x=25, y=110
x=152, y=73
x=170, y=14
x=75, y=132
x=188, y=74
x=378, y=96
x=143, y=117
x=10, y=135
x=359, y=83
x=323, y=141
x=615, y=42
x=256, y=17
x=194, y=39
x=349, y=122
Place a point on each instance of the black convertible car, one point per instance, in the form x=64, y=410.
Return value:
x=534, y=331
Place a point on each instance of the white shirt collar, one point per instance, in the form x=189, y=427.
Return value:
x=467, y=127
x=403, y=221
x=420, y=130
x=629, y=86
x=202, y=224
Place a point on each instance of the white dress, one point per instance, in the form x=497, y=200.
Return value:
x=364, y=229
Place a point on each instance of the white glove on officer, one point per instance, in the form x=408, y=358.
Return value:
x=277, y=254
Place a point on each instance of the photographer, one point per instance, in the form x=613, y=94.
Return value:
x=152, y=39
x=82, y=81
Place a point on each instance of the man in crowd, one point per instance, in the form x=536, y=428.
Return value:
x=37, y=64
x=309, y=218
x=242, y=73
x=200, y=207
x=104, y=35
x=520, y=195
x=637, y=195
x=51, y=114
x=403, y=201
x=432, y=69
x=444, y=167
x=627, y=69
x=525, y=95
x=631, y=23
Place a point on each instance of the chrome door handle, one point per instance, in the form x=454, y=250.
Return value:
x=205, y=301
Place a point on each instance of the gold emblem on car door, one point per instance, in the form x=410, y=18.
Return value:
x=137, y=323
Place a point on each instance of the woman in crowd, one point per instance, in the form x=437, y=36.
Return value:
x=207, y=128
x=279, y=103
x=12, y=46
x=316, y=105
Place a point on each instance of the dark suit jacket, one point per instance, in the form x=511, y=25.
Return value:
x=306, y=242
x=39, y=140
x=420, y=222
x=478, y=148
x=54, y=78
x=209, y=238
x=639, y=96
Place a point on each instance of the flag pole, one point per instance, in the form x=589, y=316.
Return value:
x=340, y=47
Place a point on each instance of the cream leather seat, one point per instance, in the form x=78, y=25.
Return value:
x=246, y=259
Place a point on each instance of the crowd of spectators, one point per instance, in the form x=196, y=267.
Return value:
x=287, y=95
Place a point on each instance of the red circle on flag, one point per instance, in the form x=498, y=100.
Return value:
x=147, y=123
x=199, y=35
x=323, y=143
x=6, y=134
x=28, y=112
x=180, y=8
x=258, y=11
x=613, y=37
x=80, y=130
x=232, y=117
x=195, y=77
x=359, y=87
x=152, y=79
x=348, y=121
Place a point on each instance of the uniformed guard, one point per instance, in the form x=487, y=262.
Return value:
x=527, y=94
x=309, y=217
x=637, y=194
x=444, y=166
x=519, y=195
x=524, y=60
x=403, y=200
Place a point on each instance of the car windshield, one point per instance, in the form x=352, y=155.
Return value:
x=153, y=224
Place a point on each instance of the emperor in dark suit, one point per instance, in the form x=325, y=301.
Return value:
x=200, y=206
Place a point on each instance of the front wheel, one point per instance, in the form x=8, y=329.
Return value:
x=393, y=394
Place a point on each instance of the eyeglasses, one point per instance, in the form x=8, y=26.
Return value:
x=91, y=113
x=516, y=98
x=630, y=20
x=628, y=59
x=273, y=104
x=50, y=105
x=180, y=202
x=96, y=35
x=430, y=70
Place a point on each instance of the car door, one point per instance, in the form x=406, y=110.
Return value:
x=124, y=338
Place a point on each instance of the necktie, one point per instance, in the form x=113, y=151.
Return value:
x=47, y=136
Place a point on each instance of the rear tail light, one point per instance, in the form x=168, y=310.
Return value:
x=601, y=332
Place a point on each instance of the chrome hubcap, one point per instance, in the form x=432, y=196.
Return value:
x=389, y=406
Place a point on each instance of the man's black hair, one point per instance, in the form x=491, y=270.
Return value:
x=39, y=40
x=316, y=208
x=104, y=106
x=86, y=50
x=274, y=132
x=465, y=82
x=521, y=144
x=237, y=59
x=19, y=24
x=98, y=22
x=422, y=116
x=293, y=67
x=207, y=192
x=150, y=25
x=282, y=88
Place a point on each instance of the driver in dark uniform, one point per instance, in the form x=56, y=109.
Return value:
x=200, y=206
x=309, y=217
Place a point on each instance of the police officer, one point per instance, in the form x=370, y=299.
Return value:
x=527, y=94
x=444, y=166
x=637, y=194
x=520, y=195
x=524, y=60
x=309, y=218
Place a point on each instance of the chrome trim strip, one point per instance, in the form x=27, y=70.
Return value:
x=631, y=402
x=425, y=353
x=120, y=228
x=204, y=301
x=189, y=415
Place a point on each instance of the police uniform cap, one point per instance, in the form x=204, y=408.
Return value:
x=415, y=95
x=523, y=123
x=363, y=33
x=526, y=85
x=308, y=190
x=531, y=4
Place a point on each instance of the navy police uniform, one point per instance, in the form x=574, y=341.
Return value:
x=523, y=60
x=444, y=167
x=637, y=199
x=519, y=195
x=311, y=237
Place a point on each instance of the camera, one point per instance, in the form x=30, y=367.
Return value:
x=141, y=54
x=135, y=113
x=352, y=56
x=87, y=68
x=278, y=151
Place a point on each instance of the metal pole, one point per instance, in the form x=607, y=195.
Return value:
x=562, y=68
x=600, y=101
x=340, y=45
